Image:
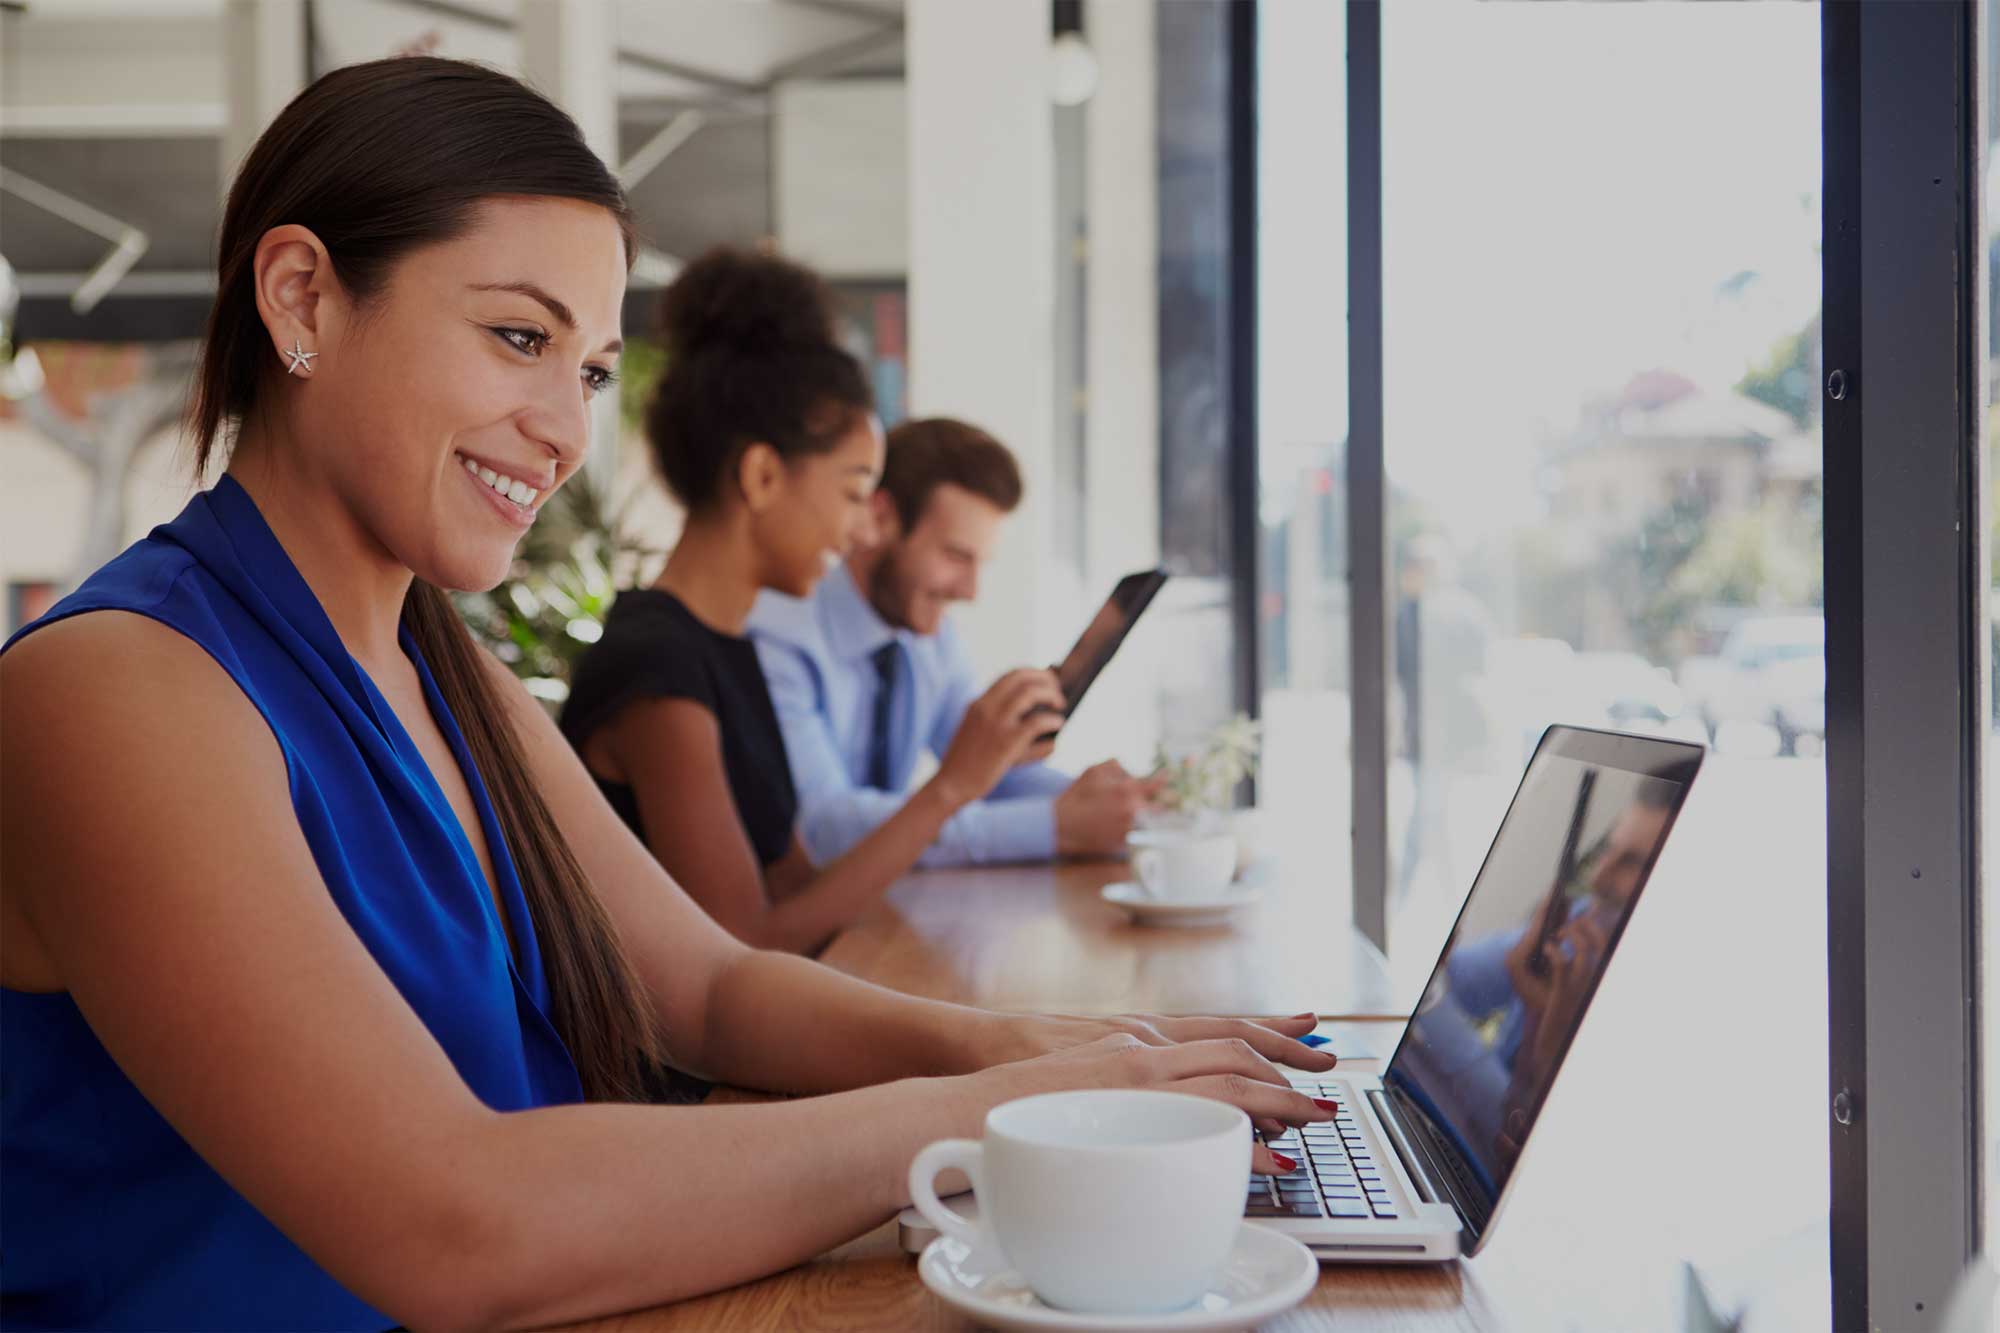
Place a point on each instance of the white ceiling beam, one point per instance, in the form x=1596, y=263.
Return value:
x=659, y=148
x=832, y=59
x=128, y=243
x=639, y=59
x=863, y=13
x=135, y=120
x=62, y=285
x=67, y=207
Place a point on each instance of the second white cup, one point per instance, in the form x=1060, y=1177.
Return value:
x=1176, y=866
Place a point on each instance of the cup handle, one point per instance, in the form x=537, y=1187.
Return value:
x=967, y=1156
x=1146, y=865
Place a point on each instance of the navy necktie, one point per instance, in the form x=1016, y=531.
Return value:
x=884, y=659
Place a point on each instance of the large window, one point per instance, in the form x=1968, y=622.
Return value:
x=1603, y=455
x=1601, y=303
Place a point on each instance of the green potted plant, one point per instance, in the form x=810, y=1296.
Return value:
x=552, y=604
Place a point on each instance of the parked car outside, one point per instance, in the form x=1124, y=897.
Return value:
x=1771, y=670
x=1635, y=695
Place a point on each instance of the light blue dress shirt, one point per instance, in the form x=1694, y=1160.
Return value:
x=816, y=653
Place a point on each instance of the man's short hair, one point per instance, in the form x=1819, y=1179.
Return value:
x=925, y=454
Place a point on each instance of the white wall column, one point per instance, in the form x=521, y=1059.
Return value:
x=264, y=67
x=982, y=286
x=1122, y=432
x=1121, y=456
x=569, y=51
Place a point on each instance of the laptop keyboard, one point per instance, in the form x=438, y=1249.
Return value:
x=1337, y=1174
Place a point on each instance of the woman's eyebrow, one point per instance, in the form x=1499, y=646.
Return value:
x=536, y=292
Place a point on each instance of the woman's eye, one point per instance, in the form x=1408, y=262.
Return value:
x=531, y=341
x=599, y=378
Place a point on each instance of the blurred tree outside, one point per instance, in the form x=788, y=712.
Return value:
x=1787, y=377
x=1688, y=557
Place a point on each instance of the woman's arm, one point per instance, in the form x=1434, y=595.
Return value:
x=770, y=1020
x=157, y=855
x=670, y=752
x=710, y=1009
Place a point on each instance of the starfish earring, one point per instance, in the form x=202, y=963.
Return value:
x=301, y=359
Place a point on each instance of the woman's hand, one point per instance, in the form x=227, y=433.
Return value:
x=1229, y=1059
x=1022, y=1037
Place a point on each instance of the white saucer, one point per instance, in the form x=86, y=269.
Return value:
x=1266, y=1272
x=1146, y=910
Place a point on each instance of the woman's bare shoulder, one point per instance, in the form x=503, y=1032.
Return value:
x=127, y=695
x=119, y=683
x=91, y=675
x=92, y=649
x=116, y=733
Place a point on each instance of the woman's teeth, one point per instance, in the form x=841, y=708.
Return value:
x=520, y=492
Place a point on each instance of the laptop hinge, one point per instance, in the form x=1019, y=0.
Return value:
x=1413, y=1145
x=1417, y=1164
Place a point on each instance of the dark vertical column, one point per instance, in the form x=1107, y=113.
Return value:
x=1192, y=116
x=1240, y=349
x=1847, y=1029
x=1367, y=507
x=1905, y=621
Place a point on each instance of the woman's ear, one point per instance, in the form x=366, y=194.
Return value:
x=296, y=295
x=760, y=476
x=888, y=523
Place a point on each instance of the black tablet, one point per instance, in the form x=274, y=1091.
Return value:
x=1107, y=629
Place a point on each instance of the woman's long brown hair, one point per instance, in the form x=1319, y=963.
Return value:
x=377, y=160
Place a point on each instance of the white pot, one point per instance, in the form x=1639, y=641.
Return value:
x=1246, y=825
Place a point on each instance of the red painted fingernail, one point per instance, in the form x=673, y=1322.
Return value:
x=1325, y=1105
x=1284, y=1161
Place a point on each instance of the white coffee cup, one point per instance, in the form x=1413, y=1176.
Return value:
x=1107, y=1201
x=1179, y=866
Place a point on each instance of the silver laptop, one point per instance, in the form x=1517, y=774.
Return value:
x=1416, y=1164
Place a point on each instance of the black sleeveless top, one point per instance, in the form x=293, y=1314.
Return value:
x=654, y=648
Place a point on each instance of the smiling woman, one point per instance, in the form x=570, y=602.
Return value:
x=325, y=970
x=406, y=269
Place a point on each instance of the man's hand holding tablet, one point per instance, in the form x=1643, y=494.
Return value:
x=1095, y=814
x=1002, y=728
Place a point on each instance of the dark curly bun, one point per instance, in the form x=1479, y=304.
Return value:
x=751, y=358
x=745, y=300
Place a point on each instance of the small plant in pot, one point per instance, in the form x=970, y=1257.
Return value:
x=1201, y=785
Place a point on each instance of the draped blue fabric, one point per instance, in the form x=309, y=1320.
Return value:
x=107, y=1217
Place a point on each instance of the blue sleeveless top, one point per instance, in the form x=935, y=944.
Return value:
x=110, y=1219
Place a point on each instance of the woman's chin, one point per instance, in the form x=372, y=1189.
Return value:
x=801, y=583
x=470, y=572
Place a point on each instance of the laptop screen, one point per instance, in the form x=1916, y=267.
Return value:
x=1528, y=949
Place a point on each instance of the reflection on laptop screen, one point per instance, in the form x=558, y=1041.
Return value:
x=1530, y=945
